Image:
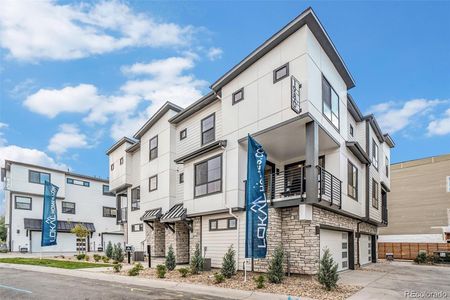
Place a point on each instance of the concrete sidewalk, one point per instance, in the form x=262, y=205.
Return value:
x=152, y=283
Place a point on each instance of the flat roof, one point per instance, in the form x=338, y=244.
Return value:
x=420, y=161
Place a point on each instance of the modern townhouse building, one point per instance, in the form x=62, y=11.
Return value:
x=181, y=180
x=80, y=199
x=419, y=203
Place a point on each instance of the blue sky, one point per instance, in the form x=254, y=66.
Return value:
x=75, y=76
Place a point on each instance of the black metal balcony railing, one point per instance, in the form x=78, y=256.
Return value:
x=330, y=187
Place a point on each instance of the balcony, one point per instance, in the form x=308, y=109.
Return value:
x=122, y=215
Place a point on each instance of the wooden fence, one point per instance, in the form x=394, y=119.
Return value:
x=409, y=250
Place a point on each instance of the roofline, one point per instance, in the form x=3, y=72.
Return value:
x=422, y=158
x=119, y=143
x=194, y=107
x=373, y=122
x=307, y=17
x=389, y=140
x=134, y=147
x=354, y=109
x=156, y=116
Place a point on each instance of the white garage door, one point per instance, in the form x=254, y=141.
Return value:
x=114, y=238
x=365, y=249
x=65, y=242
x=337, y=243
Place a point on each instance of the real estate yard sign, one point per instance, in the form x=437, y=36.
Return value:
x=256, y=203
x=50, y=216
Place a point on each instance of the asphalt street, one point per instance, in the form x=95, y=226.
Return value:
x=20, y=284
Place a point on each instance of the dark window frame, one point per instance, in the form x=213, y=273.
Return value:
x=112, y=167
x=183, y=134
x=149, y=183
x=355, y=186
x=40, y=173
x=136, y=202
x=386, y=162
x=217, y=224
x=375, y=192
x=108, y=193
x=72, y=181
x=66, y=210
x=352, y=130
x=140, y=227
x=377, y=158
x=121, y=161
x=105, y=215
x=221, y=177
x=325, y=80
x=181, y=178
x=150, y=149
x=275, y=80
x=25, y=197
x=213, y=115
x=233, y=97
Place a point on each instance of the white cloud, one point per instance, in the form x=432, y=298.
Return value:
x=68, y=137
x=214, y=53
x=34, y=30
x=2, y=138
x=440, y=126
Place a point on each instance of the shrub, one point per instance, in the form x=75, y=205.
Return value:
x=81, y=256
x=328, y=275
x=421, y=258
x=229, y=263
x=105, y=259
x=183, y=271
x=117, y=267
x=219, y=278
x=134, y=271
x=97, y=257
x=117, y=253
x=197, y=261
x=161, y=271
x=86, y=257
x=170, y=259
x=109, y=250
x=275, y=273
x=260, y=281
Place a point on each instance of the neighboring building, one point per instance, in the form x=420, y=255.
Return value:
x=419, y=203
x=80, y=199
x=181, y=180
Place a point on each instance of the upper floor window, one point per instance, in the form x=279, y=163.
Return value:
x=375, y=193
x=22, y=203
x=109, y=212
x=280, y=73
x=121, y=161
x=38, y=177
x=153, y=148
x=209, y=129
x=352, y=179
x=136, y=198
x=238, y=96
x=386, y=162
x=374, y=154
x=153, y=183
x=181, y=177
x=106, y=191
x=78, y=182
x=112, y=167
x=137, y=227
x=330, y=103
x=183, y=134
x=68, y=207
x=208, y=177
x=351, y=130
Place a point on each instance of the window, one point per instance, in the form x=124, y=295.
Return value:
x=136, y=198
x=153, y=183
x=183, y=134
x=137, y=227
x=68, y=207
x=208, y=177
x=209, y=129
x=78, y=182
x=181, y=177
x=280, y=73
x=153, y=148
x=22, y=203
x=121, y=161
x=386, y=162
x=38, y=177
x=374, y=154
x=222, y=224
x=374, y=194
x=330, y=103
x=352, y=179
x=238, y=96
x=106, y=191
x=112, y=167
x=109, y=212
x=351, y=130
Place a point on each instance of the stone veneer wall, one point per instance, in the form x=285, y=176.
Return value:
x=179, y=241
x=158, y=239
x=195, y=235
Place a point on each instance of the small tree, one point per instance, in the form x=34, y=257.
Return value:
x=170, y=259
x=109, y=250
x=114, y=253
x=328, y=275
x=197, y=261
x=229, y=263
x=119, y=255
x=275, y=273
x=80, y=232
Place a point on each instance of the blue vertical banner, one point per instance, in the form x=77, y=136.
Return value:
x=257, y=217
x=49, y=216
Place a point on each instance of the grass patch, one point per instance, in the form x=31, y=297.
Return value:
x=63, y=264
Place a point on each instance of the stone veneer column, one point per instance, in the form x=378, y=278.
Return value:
x=158, y=244
x=273, y=239
x=195, y=236
x=182, y=241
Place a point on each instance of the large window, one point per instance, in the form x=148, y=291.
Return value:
x=153, y=183
x=136, y=198
x=137, y=227
x=352, y=178
x=209, y=129
x=38, y=177
x=153, y=148
x=109, y=212
x=374, y=154
x=208, y=177
x=23, y=203
x=68, y=207
x=375, y=193
x=330, y=103
x=78, y=182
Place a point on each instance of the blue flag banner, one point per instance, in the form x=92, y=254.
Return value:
x=49, y=216
x=256, y=204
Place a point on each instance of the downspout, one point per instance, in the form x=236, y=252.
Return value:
x=10, y=222
x=357, y=243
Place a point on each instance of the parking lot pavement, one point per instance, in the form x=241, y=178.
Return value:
x=400, y=280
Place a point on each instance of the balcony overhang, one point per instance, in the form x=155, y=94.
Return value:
x=205, y=149
x=359, y=152
x=385, y=187
x=121, y=188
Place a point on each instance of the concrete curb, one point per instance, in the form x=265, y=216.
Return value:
x=153, y=283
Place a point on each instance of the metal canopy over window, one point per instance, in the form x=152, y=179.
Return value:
x=152, y=214
x=176, y=213
x=63, y=226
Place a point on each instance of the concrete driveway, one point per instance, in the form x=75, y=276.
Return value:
x=400, y=280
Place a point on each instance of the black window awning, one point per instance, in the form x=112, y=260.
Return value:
x=176, y=213
x=359, y=152
x=152, y=214
x=63, y=226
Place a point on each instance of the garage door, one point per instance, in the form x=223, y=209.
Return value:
x=337, y=243
x=365, y=249
x=114, y=238
x=65, y=242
